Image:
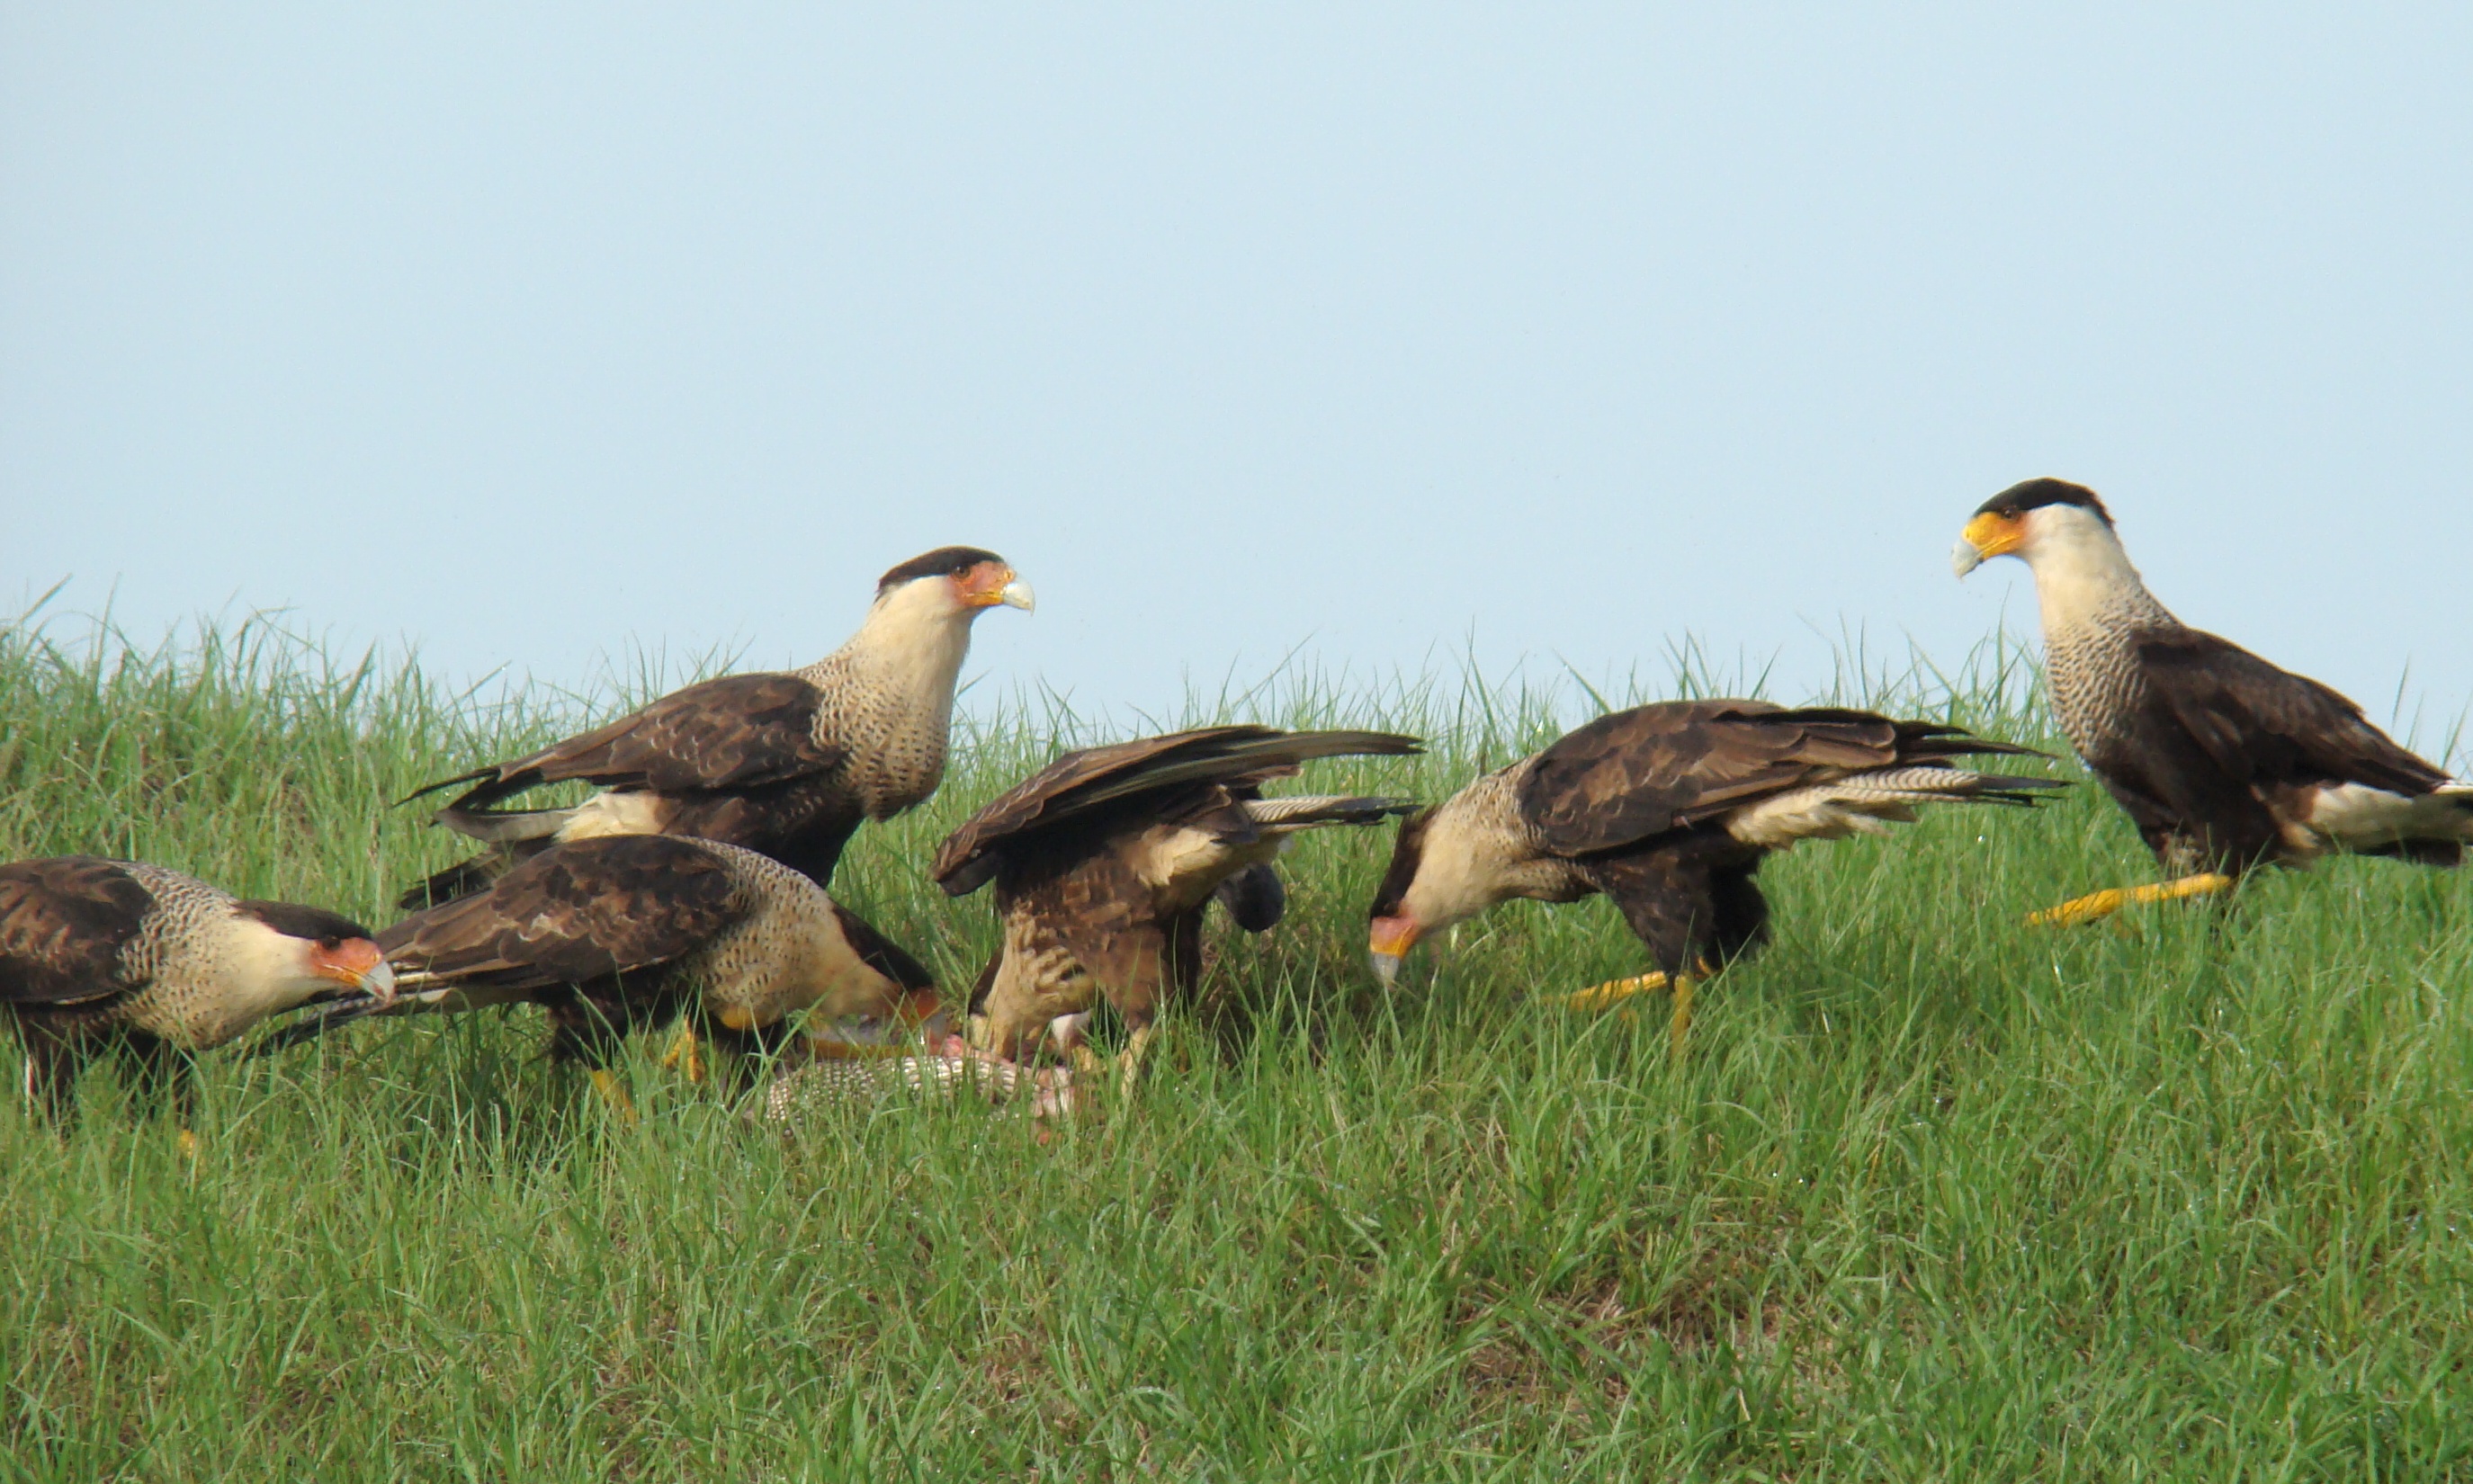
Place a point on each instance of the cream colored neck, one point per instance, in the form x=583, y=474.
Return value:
x=2082, y=572
x=915, y=637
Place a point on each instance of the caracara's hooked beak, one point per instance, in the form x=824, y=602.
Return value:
x=993, y=583
x=357, y=962
x=921, y=1015
x=1987, y=536
x=1389, y=943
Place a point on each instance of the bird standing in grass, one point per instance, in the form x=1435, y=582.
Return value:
x=98, y=954
x=1105, y=860
x=633, y=931
x=1669, y=809
x=784, y=763
x=2223, y=760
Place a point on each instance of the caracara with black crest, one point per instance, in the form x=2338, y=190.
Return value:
x=1669, y=809
x=2223, y=760
x=626, y=932
x=784, y=763
x=108, y=954
x=1105, y=860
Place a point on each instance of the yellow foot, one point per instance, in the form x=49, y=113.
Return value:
x=686, y=1054
x=1612, y=992
x=1679, y=1029
x=190, y=1143
x=614, y=1093
x=2098, y=905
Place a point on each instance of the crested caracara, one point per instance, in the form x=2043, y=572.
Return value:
x=1669, y=809
x=1104, y=860
x=2223, y=760
x=630, y=931
x=106, y=954
x=785, y=763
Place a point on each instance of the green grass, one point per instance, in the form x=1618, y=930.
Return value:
x=1933, y=1196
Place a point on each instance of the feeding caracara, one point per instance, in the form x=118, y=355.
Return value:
x=106, y=953
x=785, y=763
x=2223, y=760
x=630, y=931
x=1669, y=809
x=1105, y=859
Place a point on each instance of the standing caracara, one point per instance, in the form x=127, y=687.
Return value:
x=785, y=763
x=1669, y=809
x=1104, y=860
x=106, y=954
x=2223, y=760
x=629, y=931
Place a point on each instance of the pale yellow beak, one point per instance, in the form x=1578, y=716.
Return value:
x=1388, y=944
x=1987, y=536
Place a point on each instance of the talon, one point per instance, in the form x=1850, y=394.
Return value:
x=614, y=1093
x=686, y=1054
x=2096, y=906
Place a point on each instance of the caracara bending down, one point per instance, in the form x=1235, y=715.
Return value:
x=1669, y=809
x=785, y=763
x=1104, y=860
x=106, y=953
x=2223, y=760
x=632, y=931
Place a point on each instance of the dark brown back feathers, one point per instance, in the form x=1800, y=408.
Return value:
x=2263, y=725
x=1637, y=774
x=62, y=925
x=1134, y=776
x=737, y=731
x=572, y=915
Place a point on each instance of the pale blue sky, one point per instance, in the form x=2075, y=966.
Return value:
x=524, y=334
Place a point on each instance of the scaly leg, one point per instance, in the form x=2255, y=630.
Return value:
x=2096, y=906
x=1129, y=1061
x=1679, y=1029
x=614, y=1093
x=1606, y=996
x=686, y=1054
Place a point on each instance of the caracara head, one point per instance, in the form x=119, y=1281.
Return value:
x=959, y=581
x=877, y=1000
x=2028, y=517
x=309, y=954
x=1439, y=878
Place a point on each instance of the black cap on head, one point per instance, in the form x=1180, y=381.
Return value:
x=312, y=924
x=2034, y=494
x=1408, y=852
x=943, y=561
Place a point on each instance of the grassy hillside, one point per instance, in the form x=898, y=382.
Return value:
x=1934, y=1195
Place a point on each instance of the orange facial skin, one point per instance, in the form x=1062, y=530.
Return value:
x=1392, y=937
x=984, y=585
x=1994, y=535
x=355, y=963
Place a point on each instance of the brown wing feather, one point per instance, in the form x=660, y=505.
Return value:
x=1079, y=784
x=738, y=731
x=1633, y=775
x=2261, y=724
x=62, y=925
x=574, y=914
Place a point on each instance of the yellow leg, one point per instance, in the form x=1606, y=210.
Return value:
x=1606, y=996
x=1679, y=1028
x=606, y=1083
x=190, y=1143
x=2098, y=905
x=1129, y=1061
x=686, y=1054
